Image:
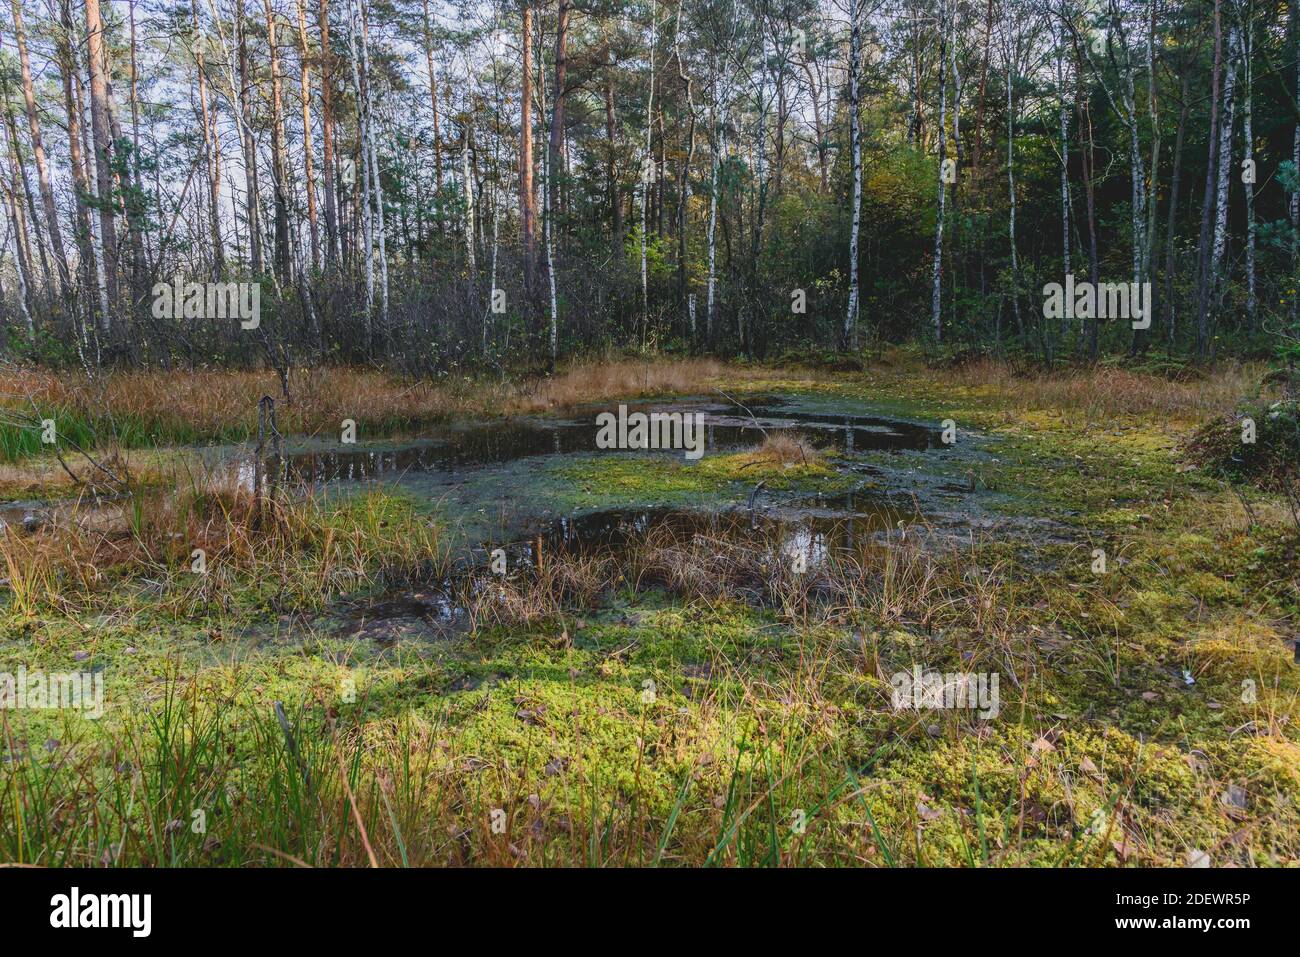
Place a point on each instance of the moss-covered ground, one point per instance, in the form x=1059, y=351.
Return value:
x=597, y=712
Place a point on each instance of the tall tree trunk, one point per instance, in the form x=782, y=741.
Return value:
x=718, y=153
x=252, y=197
x=936, y=291
x=849, y=335
x=1218, y=247
x=684, y=184
x=984, y=75
x=327, y=135
x=17, y=225
x=38, y=153
x=1248, y=135
x=279, y=164
x=1167, y=299
x=132, y=197
x=558, y=97
x=1011, y=173
x=611, y=167
x=527, y=197
x=1152, y=196
x=308, y=160
x=1087, y=151
x=211, y=148
x=433, y=100
x=1294, y=11
x=548, y=211
x=135, y=212
x=103, y=152
x=467, y=179
x=647, y=173
x=371, y=159
x=1065, y=170
x=1205, y=280
x=31, y=215
x=82, y=153
x=366, y=222
x=65, y=43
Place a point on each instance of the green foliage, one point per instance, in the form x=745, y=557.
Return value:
x=1270, y=462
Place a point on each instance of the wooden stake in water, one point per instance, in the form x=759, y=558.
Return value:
x=259, y=452
x=267, y=429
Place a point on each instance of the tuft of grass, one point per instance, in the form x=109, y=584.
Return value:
x=786, y=448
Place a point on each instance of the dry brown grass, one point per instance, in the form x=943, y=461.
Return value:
x=786, y=448
x=215, y=403
x=110, y=470
x=563, y=582
x=591, y=381
x=1102, y=391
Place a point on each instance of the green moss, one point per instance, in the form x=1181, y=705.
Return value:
x=1103, y=753
x=614, y=478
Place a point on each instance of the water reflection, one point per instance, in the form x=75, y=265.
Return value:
x=728, y=428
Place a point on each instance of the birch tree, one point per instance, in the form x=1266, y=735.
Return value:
x=308, y=159
x=1205, y=280
x=1064, y=149
x=719, y=152
x=527, y=198
x=38, y=152
x=849, y=336
x=647, y=172
x=279, y=163
x=1248, y=160
x=936, y=292
x=327, y=135
x=1011, y=53
x=211, y=147
x=1224, y=166
x=103, y=152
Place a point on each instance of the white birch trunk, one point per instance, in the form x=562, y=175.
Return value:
x=92, y=191
x=1225, y=159
x=492, y=288
x=1011, y=172
x=366, y=226
x=647, y=164
x=554, y=327
x=1065, y=163
x=22, y=283
x=720, y=151
x=378, y=189
x=1152, y=194
x=850, y=334
x=468, y=182
x=1295, y=194
x=1137, y=176
x=1248, y=135
x=936, y=292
